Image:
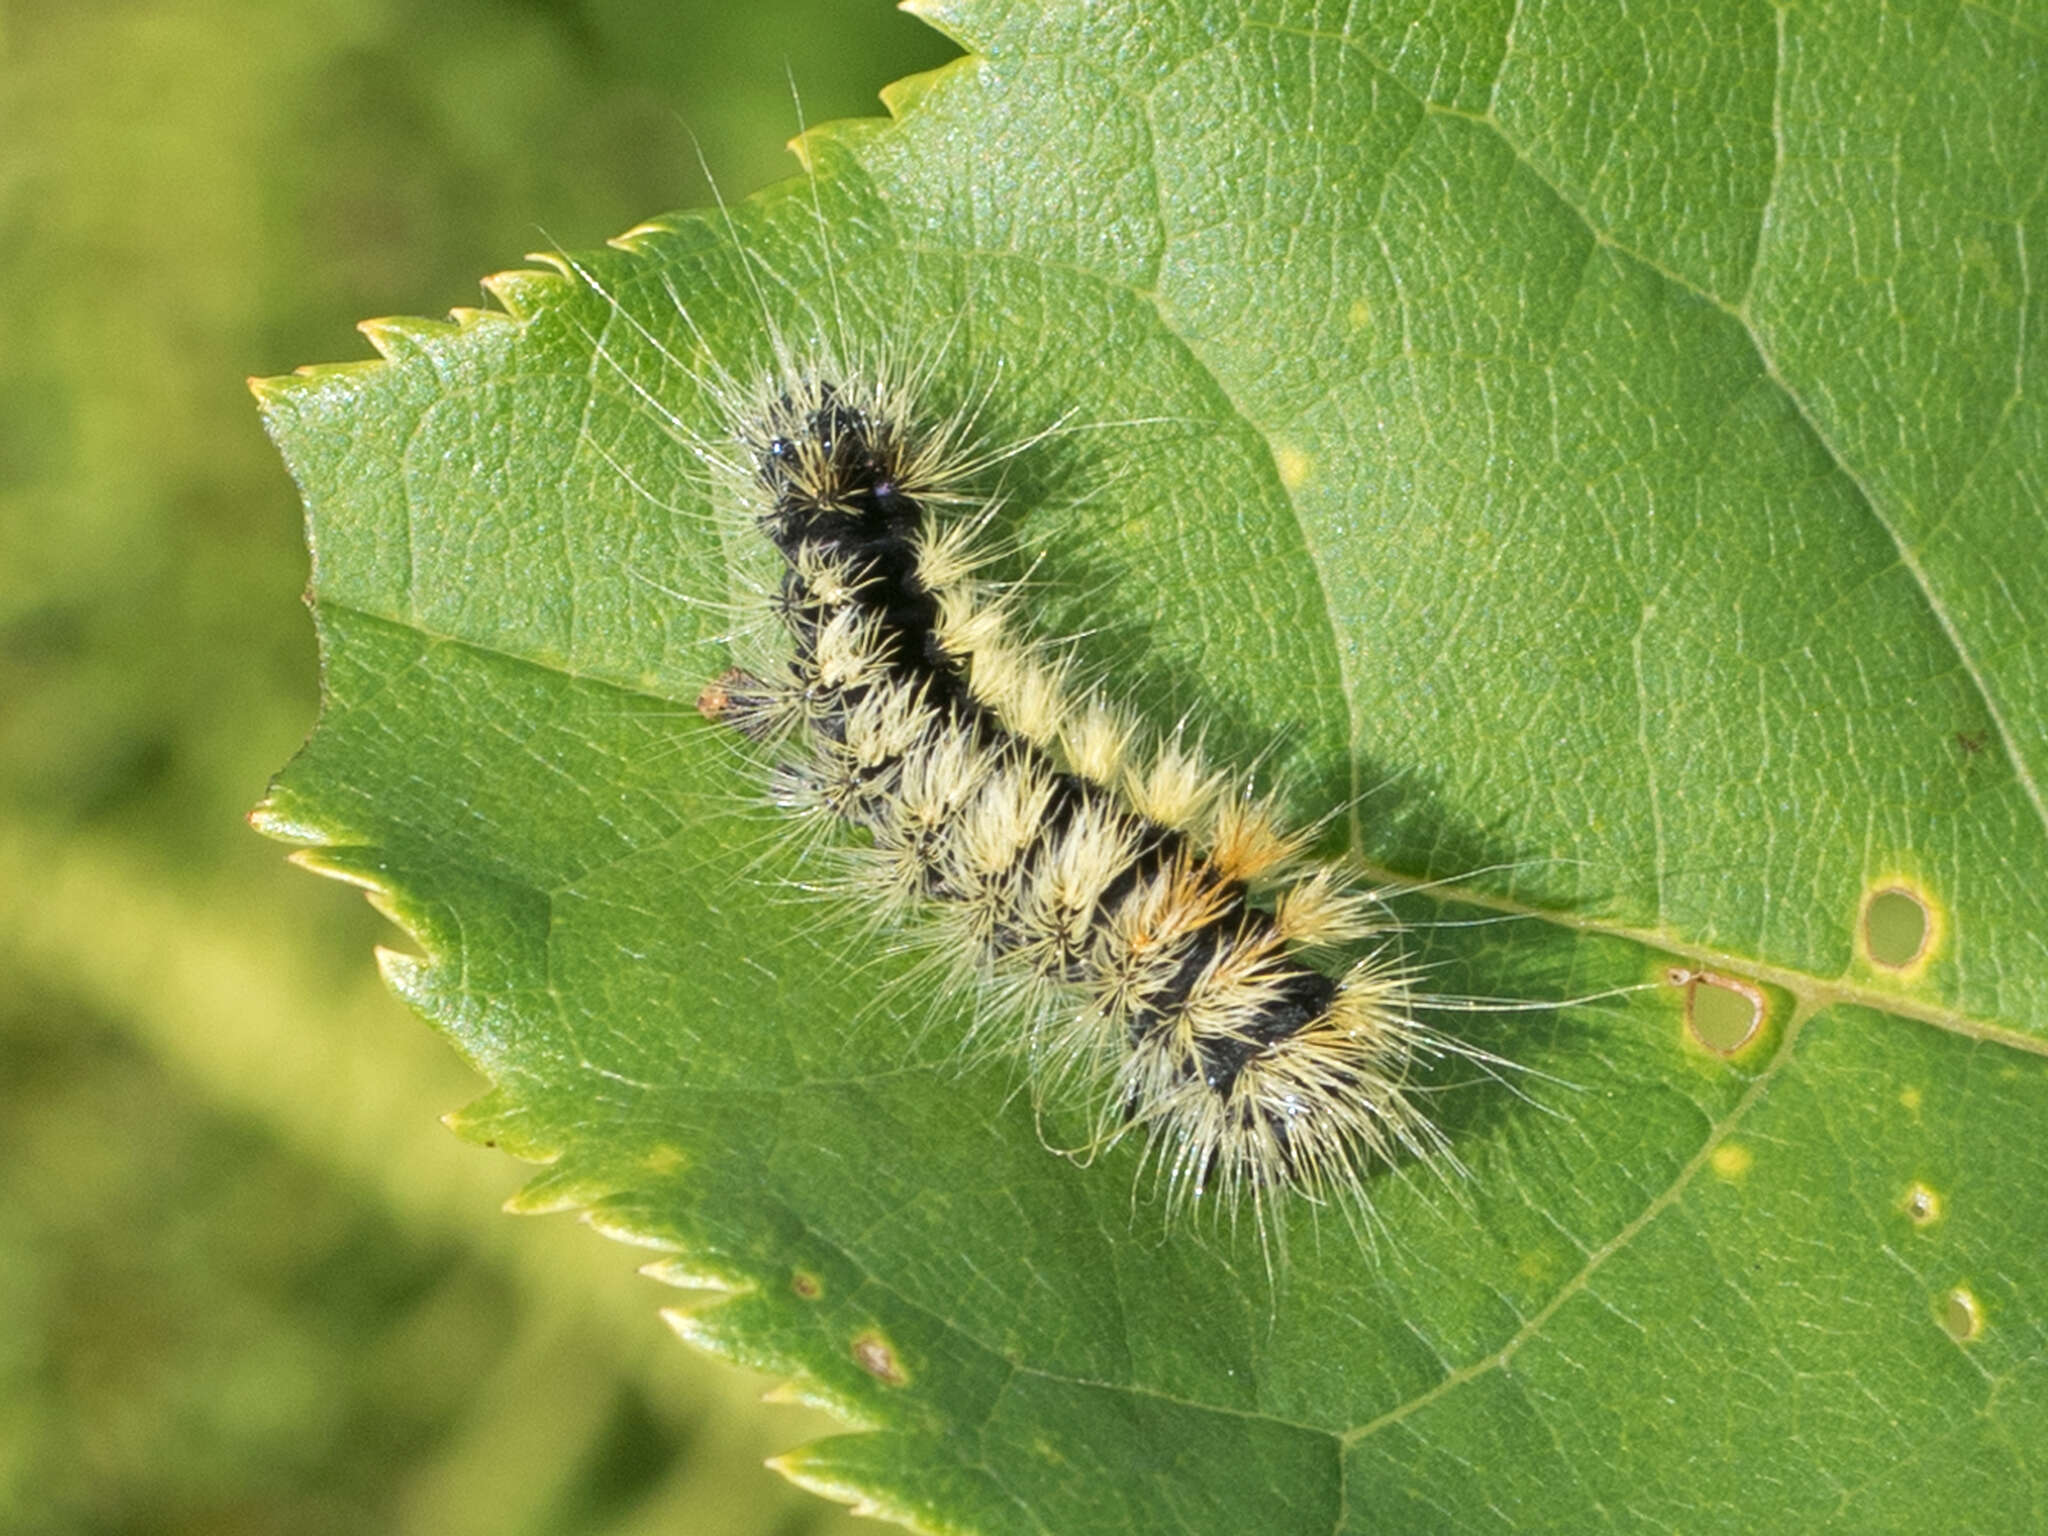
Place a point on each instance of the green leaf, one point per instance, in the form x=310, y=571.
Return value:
x=1599, y=454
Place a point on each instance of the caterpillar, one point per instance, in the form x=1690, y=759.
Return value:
x=1145, y=928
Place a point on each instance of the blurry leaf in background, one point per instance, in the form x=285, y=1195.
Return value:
x=235, y=1246
x=200, y=1324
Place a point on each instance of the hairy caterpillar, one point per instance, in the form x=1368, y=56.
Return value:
x=1142, y=925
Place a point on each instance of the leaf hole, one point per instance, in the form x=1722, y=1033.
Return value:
x=1921, y=1205
x=1962, y=1315
x=1897, y=927
x=1722, y=1013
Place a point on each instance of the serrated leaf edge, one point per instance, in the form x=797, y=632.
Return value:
x=522, y=294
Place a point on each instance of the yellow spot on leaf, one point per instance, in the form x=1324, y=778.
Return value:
x=663, y=1159
x=1731, y=1160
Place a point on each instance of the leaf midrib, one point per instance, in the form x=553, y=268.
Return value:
x=1810, y=989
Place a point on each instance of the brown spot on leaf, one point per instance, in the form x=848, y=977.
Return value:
x=875, y=1355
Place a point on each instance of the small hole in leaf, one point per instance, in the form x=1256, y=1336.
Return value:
x=1962, y=1318
x=1895, y=928
x=1921, y=1205
x=1721, y=1013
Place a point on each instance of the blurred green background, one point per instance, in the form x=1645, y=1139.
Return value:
x=247, y=1281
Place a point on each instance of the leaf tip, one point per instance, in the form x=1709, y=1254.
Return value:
x=809, y=1467
x=497, y=1120
x=403, y=973
x=318, y=859
x=790, y=1394
x=271, y=820
x=274, y=392
x=901, y=97
x=397, y=337
x=684, y=1324
x=540, y=1201
x=635, y=241
x=684, y=1276
x=559, y=1189
x=621, y=1231
x=562, y=267
x=524, y=291
x=939, y=16
x=351, y=866
x=800, y=146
